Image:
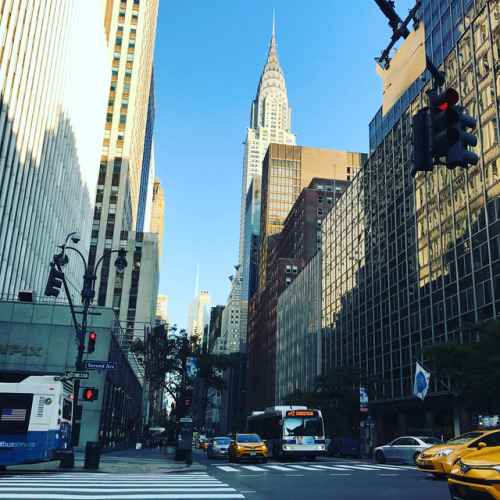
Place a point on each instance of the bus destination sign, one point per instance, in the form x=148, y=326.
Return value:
x=300, y=413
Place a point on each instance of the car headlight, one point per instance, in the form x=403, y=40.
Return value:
x=288, y=447
x=320, y=447
x=444, y=453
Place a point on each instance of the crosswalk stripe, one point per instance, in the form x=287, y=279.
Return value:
x=115, y=486
x=253, y=467
x=228, y=468
x=278, y=467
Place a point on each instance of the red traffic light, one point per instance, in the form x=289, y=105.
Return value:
x=450, y=97
x=90, y=394
x=92, y=339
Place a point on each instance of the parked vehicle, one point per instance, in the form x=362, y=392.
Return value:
x=343, y=447
x=247, y=446
x=439, y=460
x=405, y=449
x=218, y=447
x=476, y=475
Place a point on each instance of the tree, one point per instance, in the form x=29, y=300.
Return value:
x=470, y=367
x=164, y=361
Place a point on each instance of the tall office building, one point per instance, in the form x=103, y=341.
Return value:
x=156, y=224
x=270, y=119
x=287, y=172
x=126, y=151
x=418, y=257
x=195, y=314
x=54, y=80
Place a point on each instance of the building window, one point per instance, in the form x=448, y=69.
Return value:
x=320, y=199
x=116, y=56
x=131, y=43
x=320, y=210
x=294, y=269
x=112, y=86
x=288, y=269
x=123, y=119
x=288, y=281
x=319, y=222
x=114, y=71
x=124, y=103
x=126, y=88
x=121, y=12
x=130, y=57
x=135, y=14
x=118, y=41
x=109, y=117
x=329, y=200
x=128, y=72
x=133, y=28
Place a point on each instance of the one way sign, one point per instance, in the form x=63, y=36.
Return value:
x=83, y=375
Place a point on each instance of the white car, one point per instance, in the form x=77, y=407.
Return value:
x=404, y=449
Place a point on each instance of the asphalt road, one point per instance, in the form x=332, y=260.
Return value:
x=326, y=478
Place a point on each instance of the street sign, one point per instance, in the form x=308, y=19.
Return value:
x=100, y=365
x=83, y=375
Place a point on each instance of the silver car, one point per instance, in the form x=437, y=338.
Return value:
x=404, y=449
x=218, y=447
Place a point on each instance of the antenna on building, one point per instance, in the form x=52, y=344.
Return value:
x=197, y=277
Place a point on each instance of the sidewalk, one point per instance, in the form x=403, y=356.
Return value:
x=130, y=461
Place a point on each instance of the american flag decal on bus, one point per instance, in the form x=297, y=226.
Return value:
x=13, y=415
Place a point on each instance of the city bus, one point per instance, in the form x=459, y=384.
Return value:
x=290, y=431
x=35, y=420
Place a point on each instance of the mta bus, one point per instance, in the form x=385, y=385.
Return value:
x=290, y=431
x=35, y=420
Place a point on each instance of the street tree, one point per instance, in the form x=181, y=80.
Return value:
x=469, y=367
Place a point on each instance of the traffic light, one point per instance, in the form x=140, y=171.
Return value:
x=422, y=159
x=443, y=118
x=92, y=339
x=55, y=282
x=90, y=393
x=458, y=154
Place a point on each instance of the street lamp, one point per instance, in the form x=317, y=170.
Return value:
x=88, y=293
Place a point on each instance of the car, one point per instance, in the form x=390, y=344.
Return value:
x=438, y=460
x=404, y=449
x=247, y=447
x=477, y=475
x=218, y=447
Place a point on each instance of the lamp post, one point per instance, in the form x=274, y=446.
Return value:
x=88, y=293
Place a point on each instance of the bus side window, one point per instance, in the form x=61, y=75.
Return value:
x=15, y=411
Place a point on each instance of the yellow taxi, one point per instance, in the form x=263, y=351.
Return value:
x=247, y=447
x=476, y=476
x=439, y=459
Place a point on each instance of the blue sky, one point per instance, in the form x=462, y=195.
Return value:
x=209, y=56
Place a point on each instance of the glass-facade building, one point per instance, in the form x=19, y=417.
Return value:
x=406, y=261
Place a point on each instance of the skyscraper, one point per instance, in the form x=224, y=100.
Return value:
x=157, y=213
x=126, y=151
x=270, y=119
x=54, y=79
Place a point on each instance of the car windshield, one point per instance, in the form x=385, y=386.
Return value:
x=222, y=441
x=248, y=438
x=431, y=440
x=464, y=438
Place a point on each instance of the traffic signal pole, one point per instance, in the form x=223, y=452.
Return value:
x=400, y=29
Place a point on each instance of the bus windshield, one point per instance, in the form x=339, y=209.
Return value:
x=303, y=426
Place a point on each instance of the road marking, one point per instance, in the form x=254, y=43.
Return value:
x=253, y=467
x=278, y=467
x=228, y=468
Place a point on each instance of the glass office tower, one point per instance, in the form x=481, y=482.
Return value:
x=406, y=261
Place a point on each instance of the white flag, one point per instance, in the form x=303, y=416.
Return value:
x=421, y=382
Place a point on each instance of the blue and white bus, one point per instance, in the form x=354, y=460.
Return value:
x=35, y=420
x=290, y=431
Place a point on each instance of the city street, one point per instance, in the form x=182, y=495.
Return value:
x=151, y=474
x=331, y=478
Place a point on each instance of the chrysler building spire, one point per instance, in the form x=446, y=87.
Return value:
x=270, y=119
